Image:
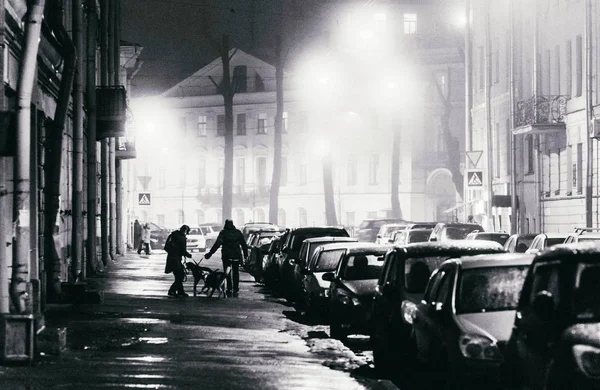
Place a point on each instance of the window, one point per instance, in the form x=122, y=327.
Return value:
x=262, y=124
x=556, y=88
x=481, y=67
x=529, y=154
x=281, y=217
x=241, y=124
x=180, y=217
x=578, y=173
x=261, y=171
x=199, y=217
x=259, y=85
x=284, y=171
x=570, y=184
x=558, y=171
x=240, y=78
x=497, y=61
x=259, y=215
x=373, y=168
x=284, y=124
x=444, y=288
x=183, y=125
x=161, y=219
x=240, y=173
x=569, y=68
x=497, y=149
x=181, y=176
x=201, y=125
x=410, y=24
x=578, y=66
x=546, y=278
x=302, y=217
x=201, y=173
x=220, y=125
x=162, y=178
x=509, y=147
x=352, y=169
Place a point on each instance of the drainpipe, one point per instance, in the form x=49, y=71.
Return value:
x=111, y=143
x=77, y=227
x=468, y=103
x=22, y=197
x=118, y=163
x=104, y=216
x=53, y=163
x=488, y=117
x=92, y=175
x=589, y=113
x=514, y=217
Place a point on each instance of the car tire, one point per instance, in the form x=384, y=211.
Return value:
x=382, y=358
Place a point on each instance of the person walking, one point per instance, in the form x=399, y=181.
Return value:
x=145, y=240
x=137, y=233
x=176, y=250
x=233, y=250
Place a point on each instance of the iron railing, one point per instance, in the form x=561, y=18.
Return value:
x=541, y=110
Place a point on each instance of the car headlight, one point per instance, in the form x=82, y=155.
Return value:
x=348, y=300
x=409, y=310
x=474, y=346
x=588, y=359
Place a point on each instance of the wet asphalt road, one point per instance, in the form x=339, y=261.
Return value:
x=141, y=338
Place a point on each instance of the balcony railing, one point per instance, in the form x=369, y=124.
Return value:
x=541, y=110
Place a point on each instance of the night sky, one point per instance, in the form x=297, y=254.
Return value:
x=175, y=44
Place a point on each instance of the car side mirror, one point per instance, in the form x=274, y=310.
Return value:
x=379, y=236
x=329, y=276
x=543, y=305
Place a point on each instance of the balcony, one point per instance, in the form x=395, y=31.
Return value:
x=111, y=103
x=541, y=114
x=243, y=196
x=125, y=148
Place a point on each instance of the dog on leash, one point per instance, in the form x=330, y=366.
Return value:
x=199, y=273
x=216, y=280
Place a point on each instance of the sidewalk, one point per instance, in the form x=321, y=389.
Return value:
x=140, y=337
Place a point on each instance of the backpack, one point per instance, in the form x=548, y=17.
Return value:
x=169, y=244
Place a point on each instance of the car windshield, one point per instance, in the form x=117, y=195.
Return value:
x=416, y=264
x=195, y=232
x=524, y=241
x=499, y=238
x=586, y=299
x=328, y=260
x=487, y=289
x=388, y=230
x=554, y=241
x=418, y=236
x=217, y=228
x=363, y=266
x=458, y=232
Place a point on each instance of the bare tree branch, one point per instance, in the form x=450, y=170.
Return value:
x=233, y=54
x=215, y=83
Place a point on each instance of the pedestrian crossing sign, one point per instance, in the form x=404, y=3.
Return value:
x=475, y=178
x=144, y=199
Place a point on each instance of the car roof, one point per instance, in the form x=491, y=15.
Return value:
x=456, y=246
x=590, y=250
x=585, y=234
x=354, y=246
x=456, y=224
x=316, y=228
x=495, y=260
x=554, y=235
x=419, y=230
x=527, y=235
x=330, y=239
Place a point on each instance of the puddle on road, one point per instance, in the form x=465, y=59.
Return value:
x=145, y=359
x=154, y=340
x=144, y=321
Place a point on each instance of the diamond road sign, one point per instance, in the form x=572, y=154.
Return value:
x=475, y=178
x=144, y=199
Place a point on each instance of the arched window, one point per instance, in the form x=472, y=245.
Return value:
x=239, y=217
x=199, y=216
x=529, y=155
x=259, y=215
x=281, y=217
x=302, y=217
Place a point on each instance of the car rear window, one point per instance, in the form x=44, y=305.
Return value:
x=482, y=290
x=415, y=236
x=499, y=238
x=300, y=237
x=195, y=232
x=554, y=241
x=363, y=266
x=329, y=260
x=586, y=298
x=458, y=232
x=416, y=264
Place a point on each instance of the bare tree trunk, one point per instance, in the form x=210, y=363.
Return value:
x=396, y=210
x=227, y=92
x=277, y=148
x=331, y=218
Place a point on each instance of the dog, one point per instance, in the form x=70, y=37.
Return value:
x=216, y=280
x=198, y=272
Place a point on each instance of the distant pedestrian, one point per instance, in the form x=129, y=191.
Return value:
x=176, y=250
x=470, y=219
x=233, y=250
x=145, y=240
x=137, y=233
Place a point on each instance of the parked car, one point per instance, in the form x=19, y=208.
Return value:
x=211, y=231
x=395, y=300
x=299, y=265
x=545, y=240
x=158, y=236
x=466, y=315
x=258, y=247
x=352, y=290
x=555, y=342
x=270, y=272
x=500, y=238
x=411, y=236
x=253, y=227
x=196, y=240
x=582, y=235
x=368, y=229
x=453, y=231
x=290, y=252
x=315, y=290
x=519, y=243
x=384, y=236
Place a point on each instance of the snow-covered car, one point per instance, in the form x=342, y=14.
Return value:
x=196, y=240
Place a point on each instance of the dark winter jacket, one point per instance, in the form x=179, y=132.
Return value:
x=232, y=243
x=176, y=251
